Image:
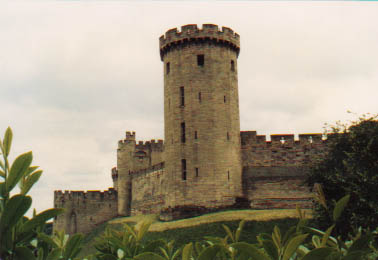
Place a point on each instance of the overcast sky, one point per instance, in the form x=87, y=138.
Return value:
x=74, y=76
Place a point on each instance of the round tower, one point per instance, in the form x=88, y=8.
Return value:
x=201, y=114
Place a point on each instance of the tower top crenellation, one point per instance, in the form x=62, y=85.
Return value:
x=191, y=33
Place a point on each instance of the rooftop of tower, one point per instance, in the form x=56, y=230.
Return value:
x=191, y=32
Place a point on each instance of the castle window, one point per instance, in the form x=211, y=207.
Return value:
x=110, y=205
x=228, y=175
x=182, y=96
x=199, y=97
x=228, y=136
x=168, y=68
x=195, y=135
x=183, y=132
x=224, y=99
x=169, y=103
x=201, y=60
x=232, y=65
x=183, y=167
x=197, y=171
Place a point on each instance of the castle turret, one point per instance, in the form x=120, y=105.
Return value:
x=201, y=114
x=125, y=154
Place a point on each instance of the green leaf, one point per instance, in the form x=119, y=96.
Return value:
x=142, y=230
x=2, y=189
x=7, y=142
x=2, y=174
x=187, y=251
x=72, y=246
x=229, y=233
x=239, y=230
x=1, y=163
x=326, y=236
x=55, y=254
x=276, y=236
x=23, y=253
x=339, y=207
x=210, y=252
x=40, y=219
x=149, y=256
x=30, y=181
x=14, y=210
x=18, y=169
x=250, y=250
x=270, y=249
x=318, y=253
x=292, y=246
x=47, y=239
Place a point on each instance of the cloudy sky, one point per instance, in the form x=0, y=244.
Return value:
x=74, y=76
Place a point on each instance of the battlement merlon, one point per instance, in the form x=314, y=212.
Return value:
x=191, y=32
x=251, y=138
x=62, y=197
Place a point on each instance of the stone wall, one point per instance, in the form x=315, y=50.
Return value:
x=148, y=190
x=84, y=210
x=276, y=187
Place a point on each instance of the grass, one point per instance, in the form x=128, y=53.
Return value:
x=195, y=229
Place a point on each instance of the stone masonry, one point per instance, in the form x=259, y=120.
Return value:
x=205, y=161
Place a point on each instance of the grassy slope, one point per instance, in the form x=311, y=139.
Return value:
x=194, y=229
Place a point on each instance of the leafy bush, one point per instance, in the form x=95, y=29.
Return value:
x=351, y=167
x=21, y=237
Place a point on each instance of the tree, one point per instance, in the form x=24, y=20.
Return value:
x=350, y=167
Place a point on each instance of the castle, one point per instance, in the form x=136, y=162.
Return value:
x=206, y=162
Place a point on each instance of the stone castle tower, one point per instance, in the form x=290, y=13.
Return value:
x=206, y=163
x=201, y=115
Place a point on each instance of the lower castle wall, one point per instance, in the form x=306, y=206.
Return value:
x=148, y=191
x=84, y=210
x=276, y=187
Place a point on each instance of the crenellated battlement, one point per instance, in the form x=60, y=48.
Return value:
x=190, y=33
x=152, y=168
x=153, y=145
x=62, y=197
x=249, y=138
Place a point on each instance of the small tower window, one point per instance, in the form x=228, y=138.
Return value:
x=199, y=97
x=197, y=171
x=183, y=132
x=201, y=60
x=224, y=99
x=182, y=96
x=183, y=167
x=195, y=135
x=168, y=67
x=228, y=175
x=169, y=103
x=228, y=136
x=232, y=65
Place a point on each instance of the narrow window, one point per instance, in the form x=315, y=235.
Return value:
x=224, y=99
x=168, y=68
x=169, y=103
x=199, y=97
x=182, y=96
x=195, y=135
x=201, y=60
x=228, y=175
x=228, y=136
x=183, y=166
x=197, y=172
x=183, y=132
x=232, y=65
